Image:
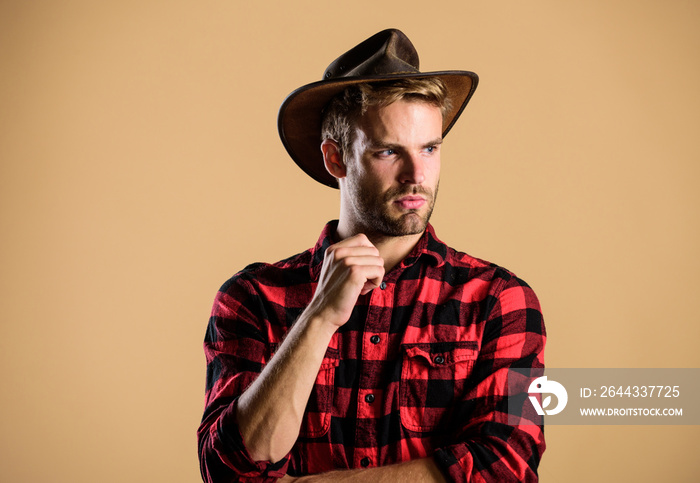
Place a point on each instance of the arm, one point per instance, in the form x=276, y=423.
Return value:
x=270, y=423
x=255, y=410
x=270, y=411
x=489, y=446
x=420, y=470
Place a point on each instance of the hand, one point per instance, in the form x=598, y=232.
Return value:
x=351, y=268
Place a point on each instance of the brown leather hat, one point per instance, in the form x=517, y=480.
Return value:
x=387, y=55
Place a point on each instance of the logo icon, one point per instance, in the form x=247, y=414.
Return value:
x=542, y=386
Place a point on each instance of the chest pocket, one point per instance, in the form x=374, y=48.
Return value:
x=433, y=376
x=317, y=417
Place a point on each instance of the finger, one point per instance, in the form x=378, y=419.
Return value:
x=373, y=278
x=377, y=279
x=357, y=240
x=361, y=263
x=337, y=253
x=370, y=285
x=353, y=259
x=345, y=251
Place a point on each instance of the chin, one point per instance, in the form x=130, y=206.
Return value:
x=407, y=224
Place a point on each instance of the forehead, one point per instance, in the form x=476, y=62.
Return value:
x=402, y=122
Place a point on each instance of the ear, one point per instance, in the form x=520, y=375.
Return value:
x=333, y=158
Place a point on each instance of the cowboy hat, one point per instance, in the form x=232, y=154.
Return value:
x=387, y=55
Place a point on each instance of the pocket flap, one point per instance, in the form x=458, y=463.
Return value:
x=331, y=359
x=439, y=354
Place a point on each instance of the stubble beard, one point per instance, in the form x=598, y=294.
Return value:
x=373, y=211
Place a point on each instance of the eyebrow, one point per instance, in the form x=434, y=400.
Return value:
x=374, y=144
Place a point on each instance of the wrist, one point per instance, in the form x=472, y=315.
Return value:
x=322, y=319
x=319, y=324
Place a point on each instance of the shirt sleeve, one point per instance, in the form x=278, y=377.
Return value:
x=490, y=446
x=237, y=347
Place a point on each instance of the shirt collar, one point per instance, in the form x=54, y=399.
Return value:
x=429, y=246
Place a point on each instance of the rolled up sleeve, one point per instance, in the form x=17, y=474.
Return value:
x=236, y=350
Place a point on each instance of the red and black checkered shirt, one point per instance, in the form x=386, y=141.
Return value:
x=418, y=370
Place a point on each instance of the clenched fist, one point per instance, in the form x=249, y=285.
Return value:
x=351, y=268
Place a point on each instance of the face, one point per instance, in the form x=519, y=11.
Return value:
x=392, y=177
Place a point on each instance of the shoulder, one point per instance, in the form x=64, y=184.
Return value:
x=468, y=267
x=499, y=282
x=458, y=267
x=284, y=273
x=510, y=305
x=263, y=297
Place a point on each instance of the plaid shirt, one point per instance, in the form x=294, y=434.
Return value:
x=418, y=370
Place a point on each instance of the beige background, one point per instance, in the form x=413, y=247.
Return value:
x=140, y=168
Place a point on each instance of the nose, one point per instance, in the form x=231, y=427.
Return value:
x=412, y=169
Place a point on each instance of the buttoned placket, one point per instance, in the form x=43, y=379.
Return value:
x=374, y=348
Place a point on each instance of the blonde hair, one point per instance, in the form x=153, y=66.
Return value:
x=345, y=109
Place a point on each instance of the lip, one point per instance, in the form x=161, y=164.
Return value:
x=410, y=202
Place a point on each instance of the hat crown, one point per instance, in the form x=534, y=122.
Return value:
x=387, y=52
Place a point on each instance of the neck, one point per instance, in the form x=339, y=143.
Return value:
x=392, y=249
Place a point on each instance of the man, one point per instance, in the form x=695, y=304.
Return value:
x=380, y=354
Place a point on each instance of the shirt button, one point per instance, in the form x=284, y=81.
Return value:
x=439, y=360
x=375, y=339
x=382, y=285
x=369, y=398
x=364, y=462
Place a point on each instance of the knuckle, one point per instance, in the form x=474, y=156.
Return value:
x=355, y=271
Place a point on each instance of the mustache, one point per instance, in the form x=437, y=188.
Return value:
x=407, y=191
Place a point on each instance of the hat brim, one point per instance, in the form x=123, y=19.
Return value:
x=299, y=119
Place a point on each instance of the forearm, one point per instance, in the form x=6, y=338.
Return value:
x=270, y=411
x=421, y=470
